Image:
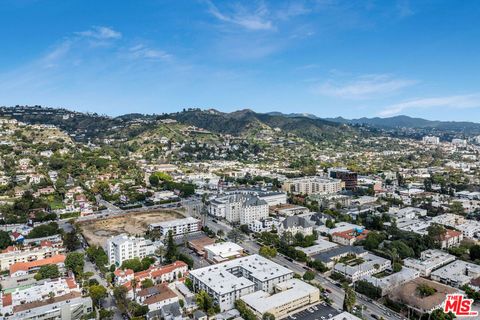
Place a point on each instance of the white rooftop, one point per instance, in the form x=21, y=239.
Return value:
x=224, y=249
x=174, y=223
x=291, y=290
x=219, y=277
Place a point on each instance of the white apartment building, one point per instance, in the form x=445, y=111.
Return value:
x=242, y=208
x=288, y=296
x=266, y=224
x=371, y=264
x=469, y=228
x=54, y=299
x=459, y=142
x=178, y=227
x=431, y=140
x=312, y=185
x=273, y=198
x=429, y=261
x=457, y=273
x=124, y=247
x=228, y=281
x=389, y=282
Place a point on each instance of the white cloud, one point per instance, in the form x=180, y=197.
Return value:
x=141, y=51
x=364, y=87
x=100, y=33
x=453, y=102
x=251, y=20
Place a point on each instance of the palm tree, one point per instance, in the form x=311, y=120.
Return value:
x=160, y=252
x=134, y=283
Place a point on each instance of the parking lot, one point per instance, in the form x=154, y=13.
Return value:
x=320, y=311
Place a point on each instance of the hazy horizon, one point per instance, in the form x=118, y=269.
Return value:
x=328, y=58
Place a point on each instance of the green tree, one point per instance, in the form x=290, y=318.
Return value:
x=205, y=302
x=373, y=240
x=330, y=223
x=245, y=312
x=44, y=230
x=172, y=252
x=5, y=240
x=105, y=314
x=438, y=314
x=48, y=271
x=456, y=207
x=368, y=289
x=309, y=275
x=120, y=295
x=235, y=235
x=475, y=252
x=350, y=298
x=147, y=283
x=97, y=293
x=267, y=251
x=134, y=264
x=424, y=290
x=268, y=316
x=75, y=261
x=71, y=241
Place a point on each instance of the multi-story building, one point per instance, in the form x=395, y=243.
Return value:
x=156, y=297
x=266, y=224
x=14, y=254
x=287, y=297
x=294, y=225
x=451, y=238
x=19, y=269
x=457, y=273
x=431, y=140
x=228, y=281
x=349, y=178
x=312, y=185
x=54, y=299
x=178, y=227
x=124, y=247
x=459, y=142
x=242, y=208
x=429, y=261
x=369, y=264
x=391, y=281
x=349, y=237
x=273, y=198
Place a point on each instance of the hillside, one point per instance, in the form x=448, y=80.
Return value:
x=412, y=123
x=247, y=122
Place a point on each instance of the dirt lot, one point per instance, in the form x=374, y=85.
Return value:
x=96, y=232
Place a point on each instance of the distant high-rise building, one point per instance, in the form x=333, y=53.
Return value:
x=349, y=178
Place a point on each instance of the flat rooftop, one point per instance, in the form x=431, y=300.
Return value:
x=219, y=277
x=174, y=223
x=458, y=271
x=291, y=290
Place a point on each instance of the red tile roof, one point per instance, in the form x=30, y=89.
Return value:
x=451, y=234
x=59, y=258
x=350, y=234
x=7, y=299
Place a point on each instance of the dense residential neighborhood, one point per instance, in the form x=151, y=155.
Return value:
x=200, y=224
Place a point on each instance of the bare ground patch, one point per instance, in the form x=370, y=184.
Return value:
x=96, y=232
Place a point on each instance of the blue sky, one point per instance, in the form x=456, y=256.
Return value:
x=326, y=57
